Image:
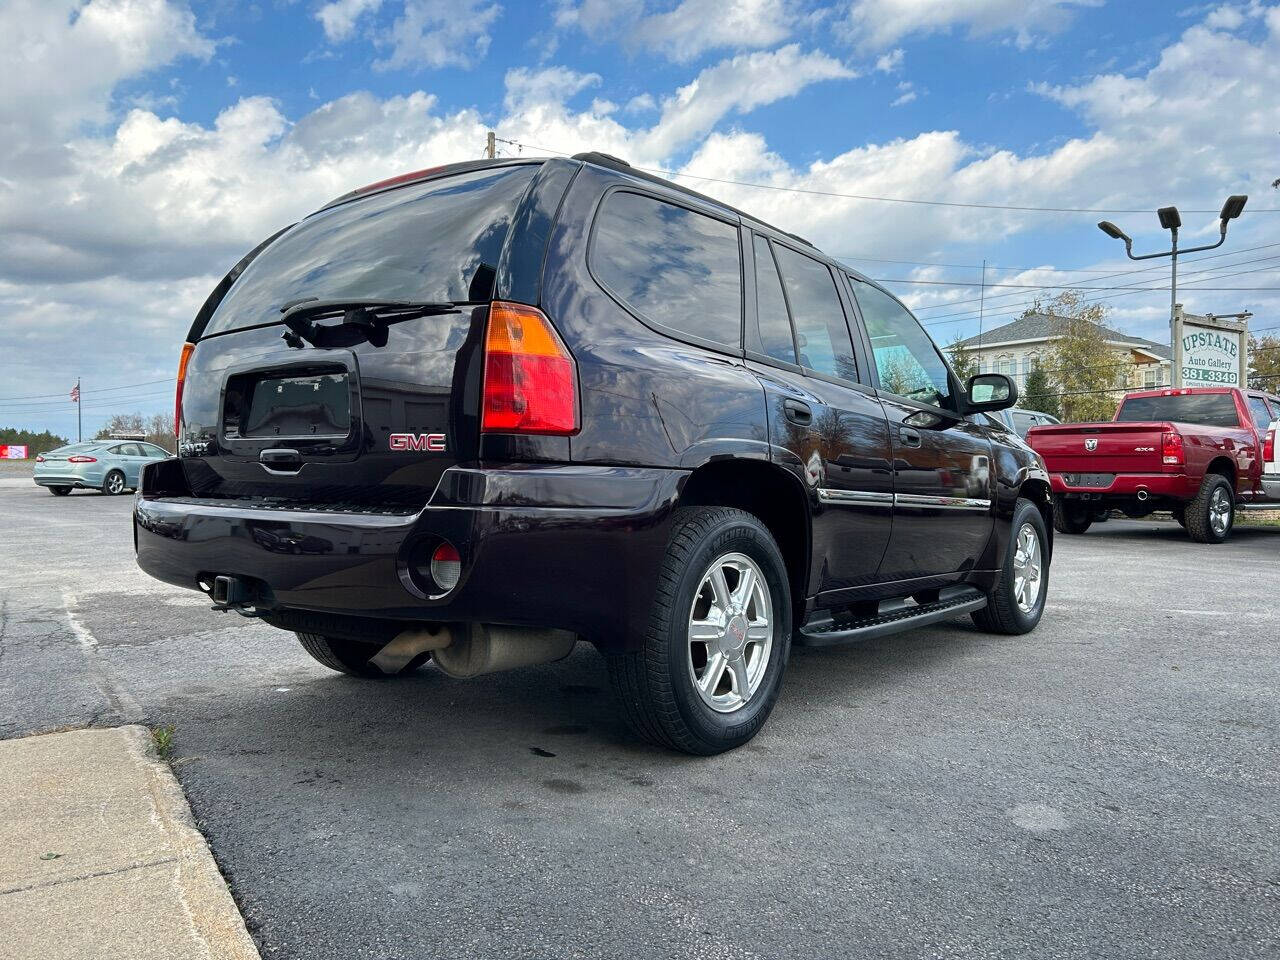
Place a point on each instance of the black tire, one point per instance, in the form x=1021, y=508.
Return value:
x=1003, y=614
x=1214, y=489
x=353, y=657
x=1071, y=517
x=655, y=685
x=60, y=491
x=113, y=483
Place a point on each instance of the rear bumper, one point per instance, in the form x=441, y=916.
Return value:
x=1271, y=485
x=52, y=480
x=1173, y=486
x=570, y=547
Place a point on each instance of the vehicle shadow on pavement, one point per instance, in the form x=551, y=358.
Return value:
x=1169, y=533
x=508, y=725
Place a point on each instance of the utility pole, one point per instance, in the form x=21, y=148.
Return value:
x=79, y=428
x=491, y=145
x=982, y=302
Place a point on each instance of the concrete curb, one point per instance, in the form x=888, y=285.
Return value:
x=100, y=856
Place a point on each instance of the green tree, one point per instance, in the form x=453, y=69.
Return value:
x=1038, y=392
x=1264, y=363
x=41, y=442
x=1084, y=368
x=963, y=363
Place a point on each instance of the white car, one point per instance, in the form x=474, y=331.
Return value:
x=1271, y=462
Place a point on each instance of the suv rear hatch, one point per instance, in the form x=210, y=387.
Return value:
x=366, y=407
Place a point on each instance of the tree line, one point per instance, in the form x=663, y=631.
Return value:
x=157, y=429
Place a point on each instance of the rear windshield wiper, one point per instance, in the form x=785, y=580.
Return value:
x=362, y=320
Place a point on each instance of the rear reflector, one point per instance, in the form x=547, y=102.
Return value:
x=446, y=566
x=530, y=384
x=79, y=459
x=1171, y=449
x=177, y=393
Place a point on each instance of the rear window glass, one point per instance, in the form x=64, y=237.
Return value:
x=1209, y=409
x=1261, y=414
x=774, y=334
x=674, y=267
x=423, y=242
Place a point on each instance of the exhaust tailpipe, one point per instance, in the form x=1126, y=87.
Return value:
x=476, y=648
x=1143, y=496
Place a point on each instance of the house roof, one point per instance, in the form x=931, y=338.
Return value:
x=1046, y=326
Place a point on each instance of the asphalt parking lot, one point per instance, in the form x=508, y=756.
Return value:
x=1106, y=787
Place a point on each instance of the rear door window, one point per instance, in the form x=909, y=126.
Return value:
x=437, y=240
x=773, y=334
x=822, y=333
x=1208, y=409
x=674, y=267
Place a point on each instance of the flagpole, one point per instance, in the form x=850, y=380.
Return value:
x=79, y=428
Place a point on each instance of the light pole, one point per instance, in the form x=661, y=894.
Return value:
x=1171, y=221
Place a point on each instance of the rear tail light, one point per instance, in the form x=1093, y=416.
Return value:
x=530, y=384
x=39, y=458
x=177, y=393
x=1269, y=446
x=446, y=566
x=80, y=459
x=1171, y=449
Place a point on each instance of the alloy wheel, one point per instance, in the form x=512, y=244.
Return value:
x=730, y=633
x=1027, y=569
x=1219, y=511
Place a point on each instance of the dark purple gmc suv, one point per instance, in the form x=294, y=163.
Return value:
x=477, y=413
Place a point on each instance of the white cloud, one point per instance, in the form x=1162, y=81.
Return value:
x=741, y=84
x=63, y=59
x=438, y=33
x=340, y=16
x=891, y=61
x=906, y=94
x=555, y=84
x=696, y=26
x=686, y=31
x=881, y=23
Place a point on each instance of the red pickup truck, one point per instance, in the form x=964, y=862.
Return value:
x=1196, y=452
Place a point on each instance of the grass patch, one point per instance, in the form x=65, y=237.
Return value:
x=162, y=737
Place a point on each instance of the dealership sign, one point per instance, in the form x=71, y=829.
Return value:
x=13, y=452
x=1210, y=350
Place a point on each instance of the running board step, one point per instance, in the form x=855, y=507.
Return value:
x=895, y=616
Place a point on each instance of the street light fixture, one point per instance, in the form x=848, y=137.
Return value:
x=1171, y=220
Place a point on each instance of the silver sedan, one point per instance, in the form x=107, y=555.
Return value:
x=111, y=466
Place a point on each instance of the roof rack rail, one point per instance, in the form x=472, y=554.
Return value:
x=601, y=159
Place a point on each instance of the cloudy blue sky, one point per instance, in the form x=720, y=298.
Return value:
x=146, y=144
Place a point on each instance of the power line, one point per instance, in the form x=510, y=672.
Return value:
x=945, y=319
x=1135, y=271
x=859, y=196
x=94, y=392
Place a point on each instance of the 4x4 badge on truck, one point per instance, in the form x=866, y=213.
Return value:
x=433, y=442
x=1091, y=444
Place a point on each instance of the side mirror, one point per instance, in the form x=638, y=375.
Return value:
x=990, y=391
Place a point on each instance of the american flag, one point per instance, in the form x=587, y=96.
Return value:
x=75, y=393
